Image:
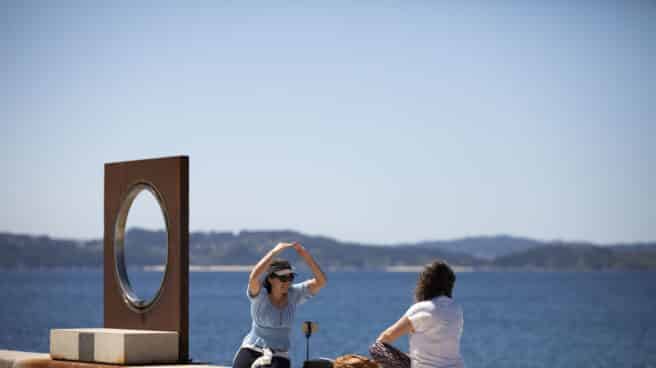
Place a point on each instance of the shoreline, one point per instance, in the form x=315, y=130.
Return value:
x=389, y=269
x=248, y=268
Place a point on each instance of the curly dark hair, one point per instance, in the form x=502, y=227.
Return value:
x=435, y=280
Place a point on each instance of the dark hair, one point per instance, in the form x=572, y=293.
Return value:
x=276, y=265
x=435, y=280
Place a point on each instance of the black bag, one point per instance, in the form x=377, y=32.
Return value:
x=318, y=363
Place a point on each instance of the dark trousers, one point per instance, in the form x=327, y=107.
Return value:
x=388, y=356
x=245, y=357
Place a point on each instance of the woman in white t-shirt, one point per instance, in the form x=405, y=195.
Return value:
x=434, y=324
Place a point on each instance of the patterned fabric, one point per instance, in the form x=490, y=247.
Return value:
x=388, y=356
x=354, y=361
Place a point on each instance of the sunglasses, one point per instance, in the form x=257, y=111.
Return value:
x=285, y=278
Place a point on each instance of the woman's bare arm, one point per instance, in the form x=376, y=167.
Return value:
x=319, y=279
x=402, y=327
x=260, y=268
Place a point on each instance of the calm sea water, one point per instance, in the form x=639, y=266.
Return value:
x=512, y=319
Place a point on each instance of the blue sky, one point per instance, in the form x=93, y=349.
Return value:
x=372, y=122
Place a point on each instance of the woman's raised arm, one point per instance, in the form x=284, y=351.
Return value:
x=260, y=268
x=319, y=279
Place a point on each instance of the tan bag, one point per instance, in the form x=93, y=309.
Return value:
x=354, y=361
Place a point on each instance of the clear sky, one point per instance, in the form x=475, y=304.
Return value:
x=365, y=121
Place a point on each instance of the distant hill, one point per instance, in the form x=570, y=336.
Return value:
x=582, y=257
x=247, y=247
x=25, y=251
x=486, y=247
x=244, y=248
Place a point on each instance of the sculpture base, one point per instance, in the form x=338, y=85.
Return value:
x=114, y=346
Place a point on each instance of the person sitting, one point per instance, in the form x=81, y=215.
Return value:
x=272, y=310
x=434, y=324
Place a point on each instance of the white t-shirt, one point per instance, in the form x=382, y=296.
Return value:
x=438, y=328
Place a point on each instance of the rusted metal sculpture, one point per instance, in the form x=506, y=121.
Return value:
x=168, y=180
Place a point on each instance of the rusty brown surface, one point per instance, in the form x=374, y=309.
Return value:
x=170, y=312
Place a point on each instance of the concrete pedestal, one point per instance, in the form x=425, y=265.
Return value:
x=114, y=346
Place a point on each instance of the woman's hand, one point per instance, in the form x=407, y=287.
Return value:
x=300, y=250
x=282, y=246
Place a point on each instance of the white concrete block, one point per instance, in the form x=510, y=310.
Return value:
x=116, y=346
x=64, y=344
x=12, y=358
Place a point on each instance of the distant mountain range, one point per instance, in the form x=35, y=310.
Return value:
x=485, y=247
x=247, y=247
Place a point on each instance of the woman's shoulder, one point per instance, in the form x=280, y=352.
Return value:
x=445, y=301
x=299, y=293
x=424, y=306
x=448, y=306
x=298, y=287
x=434, y=304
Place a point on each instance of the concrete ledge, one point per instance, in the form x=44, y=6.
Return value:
x=10, y=358
x=114, y=346
x=20, y=359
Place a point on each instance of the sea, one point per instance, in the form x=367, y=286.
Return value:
x=511, y=319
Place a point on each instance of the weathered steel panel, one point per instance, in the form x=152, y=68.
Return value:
x=169, y=177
